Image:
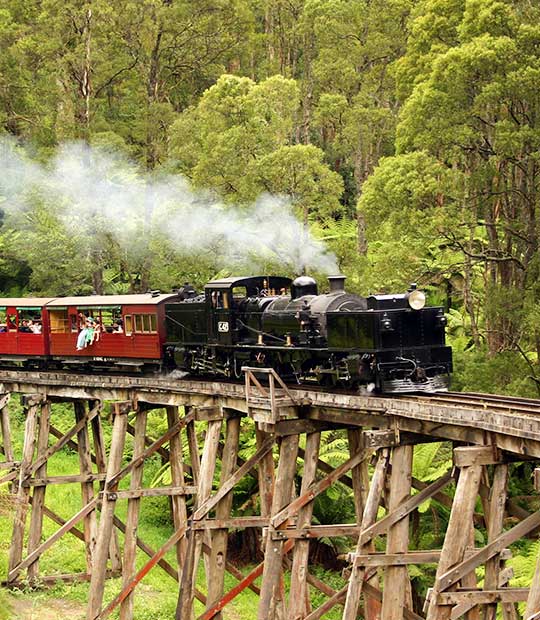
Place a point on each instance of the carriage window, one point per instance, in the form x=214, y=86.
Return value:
x=59, y=320
x=145, y=323
x=128, y=324
x=3, y=321
x=111, y=319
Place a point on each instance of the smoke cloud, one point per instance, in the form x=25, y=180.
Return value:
x=92, y=190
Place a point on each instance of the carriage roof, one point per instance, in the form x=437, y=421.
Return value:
x=147, y=299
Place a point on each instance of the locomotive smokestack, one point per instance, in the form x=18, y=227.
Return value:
x=337, y=283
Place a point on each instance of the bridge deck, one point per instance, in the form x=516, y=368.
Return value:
x=512, y=424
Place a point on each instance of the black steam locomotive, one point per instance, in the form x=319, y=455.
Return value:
x=388, y=343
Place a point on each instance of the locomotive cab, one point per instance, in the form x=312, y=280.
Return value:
x=229, y=300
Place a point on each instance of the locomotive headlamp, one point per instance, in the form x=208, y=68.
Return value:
x=416, y=299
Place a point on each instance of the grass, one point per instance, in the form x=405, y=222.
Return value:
x=156, y=596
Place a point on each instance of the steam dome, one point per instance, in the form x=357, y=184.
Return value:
x=303, y=285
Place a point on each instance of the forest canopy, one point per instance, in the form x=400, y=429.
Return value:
x=144, y=143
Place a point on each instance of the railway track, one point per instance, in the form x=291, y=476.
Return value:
x=526, y=406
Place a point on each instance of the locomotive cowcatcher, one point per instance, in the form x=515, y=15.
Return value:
x=390, y=343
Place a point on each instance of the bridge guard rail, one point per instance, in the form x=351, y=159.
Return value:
x=269, y=404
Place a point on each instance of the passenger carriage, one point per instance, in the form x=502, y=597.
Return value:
x=132, y=332
x=17, y=344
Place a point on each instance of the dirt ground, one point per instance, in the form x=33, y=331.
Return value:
x=47, y=609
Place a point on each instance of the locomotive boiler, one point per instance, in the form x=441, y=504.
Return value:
x=389, y=343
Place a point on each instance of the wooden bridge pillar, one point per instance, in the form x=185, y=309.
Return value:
x=271, y=603
x=99, y=568
x=397, y=585
x=33, y=480
x=31, y=405
x=300, y=604
x=6, y=446
x=219, y=537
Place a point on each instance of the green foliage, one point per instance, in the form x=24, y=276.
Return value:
x=505, y=373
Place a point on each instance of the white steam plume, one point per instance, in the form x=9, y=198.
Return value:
x=91, y=189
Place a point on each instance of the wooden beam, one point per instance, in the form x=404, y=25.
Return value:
x=299, y=426
x=405, y=508
x=38, y=498
x=231, y=523
x=185, y=489
x=132, y=517
x=195, y=538
x=356, y=583
x=246, y=582
x=67, y=479
x=52, y=580
x=483, y=597
x=128, y=587
x=228, y=485
x=100, y=459
x=380, y=439
x=23, y=493
x=270, y=598
x=51, y=540
x=65, y=438
x=178, y=470
x=219, y=538
x=105, y=529
x=208, y=413
x=495, y=522
x=149, y=451
x=299, y=602
x=339, y=596
x=5, y=427
x=397, y=559
x=476, y=455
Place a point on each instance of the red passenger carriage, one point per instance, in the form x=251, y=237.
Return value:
x=131, y=332
x=24, y=327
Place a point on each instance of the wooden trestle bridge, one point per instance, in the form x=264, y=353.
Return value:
x=488, y=433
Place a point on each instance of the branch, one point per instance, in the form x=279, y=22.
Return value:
x=115, y=75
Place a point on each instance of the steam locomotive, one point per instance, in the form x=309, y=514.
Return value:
x=388, y=343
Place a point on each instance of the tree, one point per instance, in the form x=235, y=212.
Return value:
x=472, y=106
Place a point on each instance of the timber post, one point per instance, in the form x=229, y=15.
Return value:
x=31, y=404
x=109, y=497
